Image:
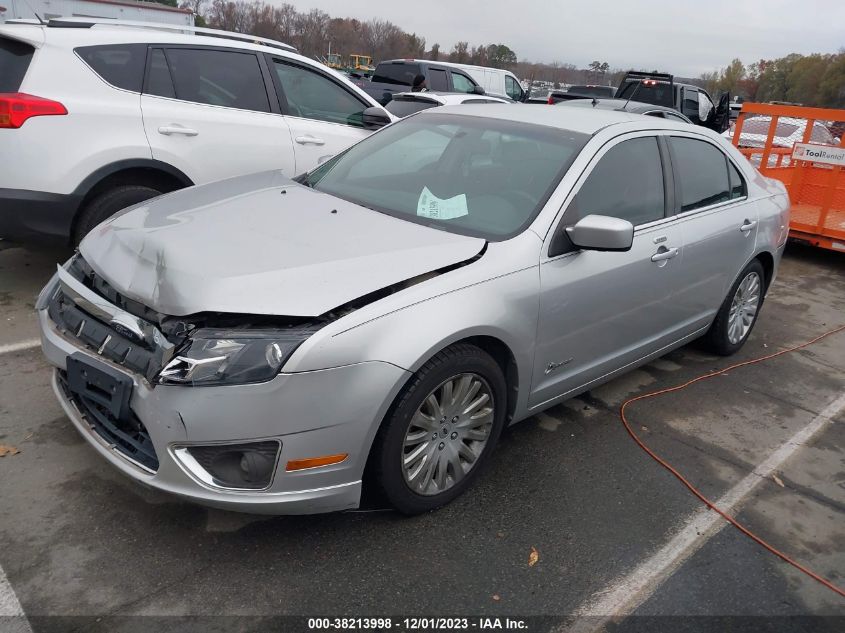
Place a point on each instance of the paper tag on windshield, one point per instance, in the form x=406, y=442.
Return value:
x=430, y=206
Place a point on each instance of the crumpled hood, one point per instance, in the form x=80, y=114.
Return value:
x=262, y=244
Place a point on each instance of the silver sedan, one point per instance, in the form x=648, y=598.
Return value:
x=261, y=343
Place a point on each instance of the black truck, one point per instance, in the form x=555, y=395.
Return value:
x=692, y=101
x=397, y=75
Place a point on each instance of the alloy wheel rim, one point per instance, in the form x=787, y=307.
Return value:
x=744, y=307
x=447, y=434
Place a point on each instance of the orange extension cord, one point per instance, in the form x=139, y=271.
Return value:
x=695, y=490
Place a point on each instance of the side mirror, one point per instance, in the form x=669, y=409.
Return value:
x=602, y=233
x=375, y=118
x=478, y=90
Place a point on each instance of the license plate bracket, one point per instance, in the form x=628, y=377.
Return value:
x=99, y=383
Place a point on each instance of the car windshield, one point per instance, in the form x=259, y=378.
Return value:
x=760, y=125
x=404, y=107
x=466, y=174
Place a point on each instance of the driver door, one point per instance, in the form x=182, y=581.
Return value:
x=600, y=311
x=324, y=117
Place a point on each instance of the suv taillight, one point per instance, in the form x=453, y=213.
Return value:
x=17, y=107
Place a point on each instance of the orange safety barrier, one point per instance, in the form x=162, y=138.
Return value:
x=816, y=187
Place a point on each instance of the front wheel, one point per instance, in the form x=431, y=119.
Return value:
x=738, y=313
x=442, y=429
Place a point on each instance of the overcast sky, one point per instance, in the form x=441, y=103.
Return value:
x=685, y=37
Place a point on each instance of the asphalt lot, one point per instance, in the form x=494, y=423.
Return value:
x=78, y=539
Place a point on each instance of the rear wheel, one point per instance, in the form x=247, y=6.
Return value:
x=738, y=313
x=106, y=204
x=442, y=429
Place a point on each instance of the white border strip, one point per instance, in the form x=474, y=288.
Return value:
x=12, y=617
x=19, y=347
x=623, y=597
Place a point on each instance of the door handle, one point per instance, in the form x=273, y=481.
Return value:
x=669, y=253
x=167, y=130
x=309, y=140
x=748, y=225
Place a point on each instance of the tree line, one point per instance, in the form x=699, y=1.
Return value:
x=811, y=80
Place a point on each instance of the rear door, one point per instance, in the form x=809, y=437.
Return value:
x=208, y=112
x=718, y=221
x=324, y=116
x=600, y=311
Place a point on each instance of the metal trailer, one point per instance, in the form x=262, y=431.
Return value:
x=811, y=169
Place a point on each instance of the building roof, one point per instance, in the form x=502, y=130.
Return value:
x=139, y=4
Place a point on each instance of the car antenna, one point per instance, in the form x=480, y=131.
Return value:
x=595, y=102
x=634, y=92
x=35, y=13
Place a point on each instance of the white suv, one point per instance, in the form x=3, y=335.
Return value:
x=95, y=117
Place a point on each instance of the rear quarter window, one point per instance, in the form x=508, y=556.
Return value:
x=14, y=60
x=121, y=65
x=398, y=74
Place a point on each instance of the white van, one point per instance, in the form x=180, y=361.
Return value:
x=495, y=81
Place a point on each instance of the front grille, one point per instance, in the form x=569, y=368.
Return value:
x=129, y=436
x=99, y=336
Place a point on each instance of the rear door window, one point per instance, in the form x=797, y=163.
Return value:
x=702, y=172
x=122, y=65
x=222, y=78
x=159, y=81
x=627, y=183
x=738, y=189
x=437, y=79
x=398, y=74
x=14, y=61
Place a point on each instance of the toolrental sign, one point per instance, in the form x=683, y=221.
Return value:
x=828, y=154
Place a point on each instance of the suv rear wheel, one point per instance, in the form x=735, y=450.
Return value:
x=106, y=204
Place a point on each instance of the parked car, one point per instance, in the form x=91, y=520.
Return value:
x=634, y=107
x=397, y=75
x=404, y=103
x=495, y=81
x=692, y=101
x=788, y=131
x=581, y=92
x=258, y=343
x=99, y=116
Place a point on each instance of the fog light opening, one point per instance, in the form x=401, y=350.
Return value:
x=315, y=462
x=236, y=466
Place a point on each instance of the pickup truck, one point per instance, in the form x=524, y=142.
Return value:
x=397, y=75
x=692, y=101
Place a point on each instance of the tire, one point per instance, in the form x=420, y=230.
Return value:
x=462, y=366
x=725, y=337
x=108, y=203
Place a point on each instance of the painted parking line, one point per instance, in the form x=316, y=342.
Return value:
x=19, y=347
x=12, y=617
x=623, y=596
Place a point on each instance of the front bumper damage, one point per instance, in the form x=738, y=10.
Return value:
x=327, y=412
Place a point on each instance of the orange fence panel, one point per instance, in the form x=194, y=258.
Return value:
x=796, y=145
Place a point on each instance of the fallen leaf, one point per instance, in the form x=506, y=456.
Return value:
x=8, y=450
x=533, y=557
x=496, y=597
x=645, y=428
x=778, y=480
x=28, y=437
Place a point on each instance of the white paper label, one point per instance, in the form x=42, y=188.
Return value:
x=430, y=206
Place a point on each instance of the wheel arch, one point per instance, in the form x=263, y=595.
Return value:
x=768, y=262
x=136, y=171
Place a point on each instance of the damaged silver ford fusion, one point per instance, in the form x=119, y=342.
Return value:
x=259, y=343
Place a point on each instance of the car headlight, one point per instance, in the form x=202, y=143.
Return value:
x=231, y=357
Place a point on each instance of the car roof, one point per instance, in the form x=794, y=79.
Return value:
x=583, y=120
x=618, y=104
x=446, y=64
x=443, y=98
